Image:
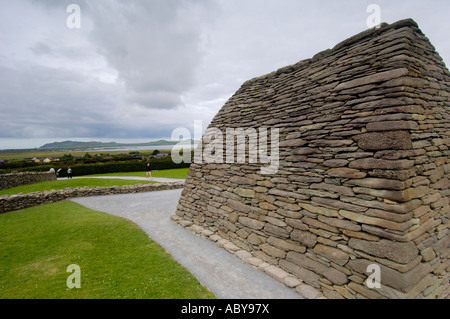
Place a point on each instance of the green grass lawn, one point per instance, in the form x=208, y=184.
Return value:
x=179, y=173
x=117, y=259
x=62, y=184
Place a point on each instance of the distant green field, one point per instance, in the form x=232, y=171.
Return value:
x=116, y=259
x=178, y=173
x=28, y=154
x=62, y=184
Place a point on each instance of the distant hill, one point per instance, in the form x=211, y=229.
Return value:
x=90, y=145
x=75, y=144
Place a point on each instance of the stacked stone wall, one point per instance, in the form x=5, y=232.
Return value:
x=363, y=172
x=21, y=201
x=24, y=178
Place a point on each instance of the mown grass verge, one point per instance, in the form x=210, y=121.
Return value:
x=116, y=258
x=178, y=173
x=62, y=184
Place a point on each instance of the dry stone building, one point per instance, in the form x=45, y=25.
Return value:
x=361, y=186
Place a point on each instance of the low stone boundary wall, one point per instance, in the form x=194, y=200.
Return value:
x=24, y=178
x=21, y=201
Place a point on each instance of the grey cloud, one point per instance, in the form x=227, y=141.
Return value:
x=39, y=101
x=154, y=99
x=141, y=68
x=154, y=45
x=40, y=48
x=45, y=101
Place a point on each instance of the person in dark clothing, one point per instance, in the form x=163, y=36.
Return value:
x=148, y=171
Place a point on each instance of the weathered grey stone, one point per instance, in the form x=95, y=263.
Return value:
x=277, y=231
x=316, y=209
x=373, y=163
x=399, y=218
x=308, y=292
x=304, y=237
x=231, y=226
x=234, y=204
x=344, y=190
x=314, y=223
x=244, y=192
x=287, y=206
x=333, y=275
x=254, y=239
x=339, y=204
x=331, y=143
x=333, y=254
x=243, y=254
x=302, y=273
x=401, y=174
x=296, y=223
x=374, y=221
x=335, y=163
x=231, y=247
x=428, y=254
x=239, y=180
x=291, y=281
x=406, y=81
x=402, y=253
x=381, y=183
x=285, y=245
x=346, y=172
x=305, y=179
x=286, y=194
x=365, y=291
x=305, y=151
x=251, y=223
x=360, y=234
x=390, y=277
x=377, y=77
x=383, y=193
x=340, y=223
x=276, y=272
x=376, y=141
x=392, y=126
x=293, y=143
x=272, y=251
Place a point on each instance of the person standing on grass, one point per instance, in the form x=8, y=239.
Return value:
x=69, y=173
x=148, y=171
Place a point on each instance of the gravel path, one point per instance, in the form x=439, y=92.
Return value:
x=223, y=273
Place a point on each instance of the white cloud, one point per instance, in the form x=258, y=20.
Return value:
x=154, y=46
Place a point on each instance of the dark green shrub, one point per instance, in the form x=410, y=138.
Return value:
x=104, y=167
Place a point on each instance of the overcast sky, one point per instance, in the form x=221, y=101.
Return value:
x=136, y=70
